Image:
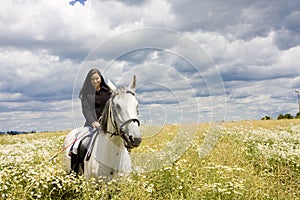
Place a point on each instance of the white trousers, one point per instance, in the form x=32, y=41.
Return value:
x=78, y=135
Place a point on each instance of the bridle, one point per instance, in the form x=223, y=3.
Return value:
x=119, y=131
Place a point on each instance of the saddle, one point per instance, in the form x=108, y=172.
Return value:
x=84, y=150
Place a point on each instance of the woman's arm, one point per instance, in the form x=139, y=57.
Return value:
x=88, y=111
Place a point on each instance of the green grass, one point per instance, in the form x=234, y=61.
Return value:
x=251, y=160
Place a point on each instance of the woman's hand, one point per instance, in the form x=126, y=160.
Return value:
x=95, y=124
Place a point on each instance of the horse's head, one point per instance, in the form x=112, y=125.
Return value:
x=124, y=108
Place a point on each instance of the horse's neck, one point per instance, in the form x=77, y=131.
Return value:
x=117, y=141
x=110, y=143
x=109, y=150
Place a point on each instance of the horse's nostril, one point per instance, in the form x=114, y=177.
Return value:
x=133, y=141
x=137, y=141
x=131, y=138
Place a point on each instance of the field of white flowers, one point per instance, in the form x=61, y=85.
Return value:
x=251, y=160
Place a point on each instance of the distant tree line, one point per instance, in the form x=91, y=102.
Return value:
x=283, y=116
x=16, y=132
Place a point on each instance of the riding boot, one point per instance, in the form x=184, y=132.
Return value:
x=74, y=163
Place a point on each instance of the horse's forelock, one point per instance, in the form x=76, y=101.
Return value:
x=119, y=90
x=122, y=90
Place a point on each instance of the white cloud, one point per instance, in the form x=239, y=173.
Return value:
x=43, y=46
x=34, y=115
x=35, y=75
x=35, y=85
x=70, y=31
x=12, y=97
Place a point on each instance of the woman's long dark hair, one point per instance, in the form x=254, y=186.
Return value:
x=87, y=85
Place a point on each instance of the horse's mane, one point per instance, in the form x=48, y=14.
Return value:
x=105, y=114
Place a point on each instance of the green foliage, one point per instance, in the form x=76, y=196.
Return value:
x=266, y=118
x=280, y=116
x=286, y=116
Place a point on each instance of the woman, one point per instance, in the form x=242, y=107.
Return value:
x=93, y=95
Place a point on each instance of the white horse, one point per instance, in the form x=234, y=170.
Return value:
x=109, y=156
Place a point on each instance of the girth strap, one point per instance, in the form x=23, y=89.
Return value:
x=91, y=146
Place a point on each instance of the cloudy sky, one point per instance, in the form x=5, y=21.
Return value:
x=195, y=60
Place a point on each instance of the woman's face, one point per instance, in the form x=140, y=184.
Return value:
x=96, y=80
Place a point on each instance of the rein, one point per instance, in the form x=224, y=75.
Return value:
x=72, y=143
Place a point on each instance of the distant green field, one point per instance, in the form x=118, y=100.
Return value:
x=251, y=160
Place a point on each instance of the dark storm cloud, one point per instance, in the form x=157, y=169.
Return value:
x=242, y=19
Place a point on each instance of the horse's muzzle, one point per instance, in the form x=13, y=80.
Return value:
x=136, y=141
x=131, y=142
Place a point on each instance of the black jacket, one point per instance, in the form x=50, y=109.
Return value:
x=93, y=104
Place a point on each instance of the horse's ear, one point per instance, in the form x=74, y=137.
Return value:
x=111, y=86
x=133, y=83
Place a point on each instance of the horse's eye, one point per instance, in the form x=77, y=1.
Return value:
x=118, y=107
